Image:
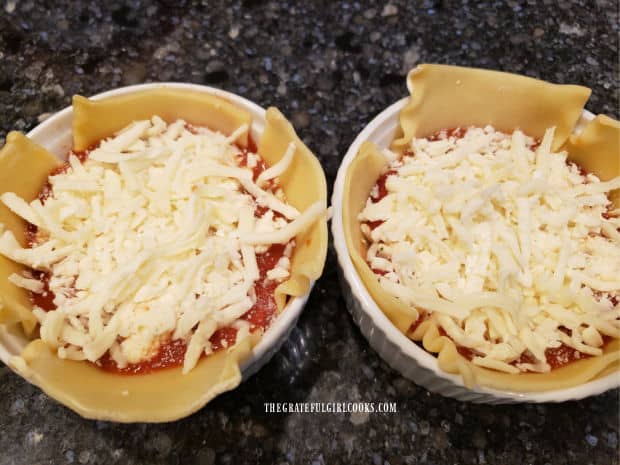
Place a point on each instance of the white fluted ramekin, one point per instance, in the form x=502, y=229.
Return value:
x=400, y=352
x=56, y=136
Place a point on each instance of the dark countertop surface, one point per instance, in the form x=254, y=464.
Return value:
x=330, y=67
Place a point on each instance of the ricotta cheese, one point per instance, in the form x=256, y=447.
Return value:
x=153, y=237
x=512, y=250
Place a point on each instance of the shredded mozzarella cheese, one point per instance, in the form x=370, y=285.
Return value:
x=505, y=243
x=152, y=238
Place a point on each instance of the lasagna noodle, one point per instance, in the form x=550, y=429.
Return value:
x=360, y=179
x=95, y=393
x=445, y=97
x=445, y=106
x=24, y=168
x=160, y=396
x=303, y=184
x=601, y=138
x=114, y=113
x=573, y=374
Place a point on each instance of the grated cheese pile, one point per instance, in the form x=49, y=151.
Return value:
x=153, y=238
x=504, y=243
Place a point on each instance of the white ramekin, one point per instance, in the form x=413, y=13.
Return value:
x=395, y=348
x=56, y=136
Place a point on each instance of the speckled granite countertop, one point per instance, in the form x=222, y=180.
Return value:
x=330, y=67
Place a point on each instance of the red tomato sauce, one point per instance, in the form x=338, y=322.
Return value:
x=46, y=191
x=465, y=352
x=44, y=300
x=556, y=357
x=172, y=352
x=257, y=169
x=422, y=317
x=381, y=187
x=559, y=356
x=381, y=193
x=457, y=133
